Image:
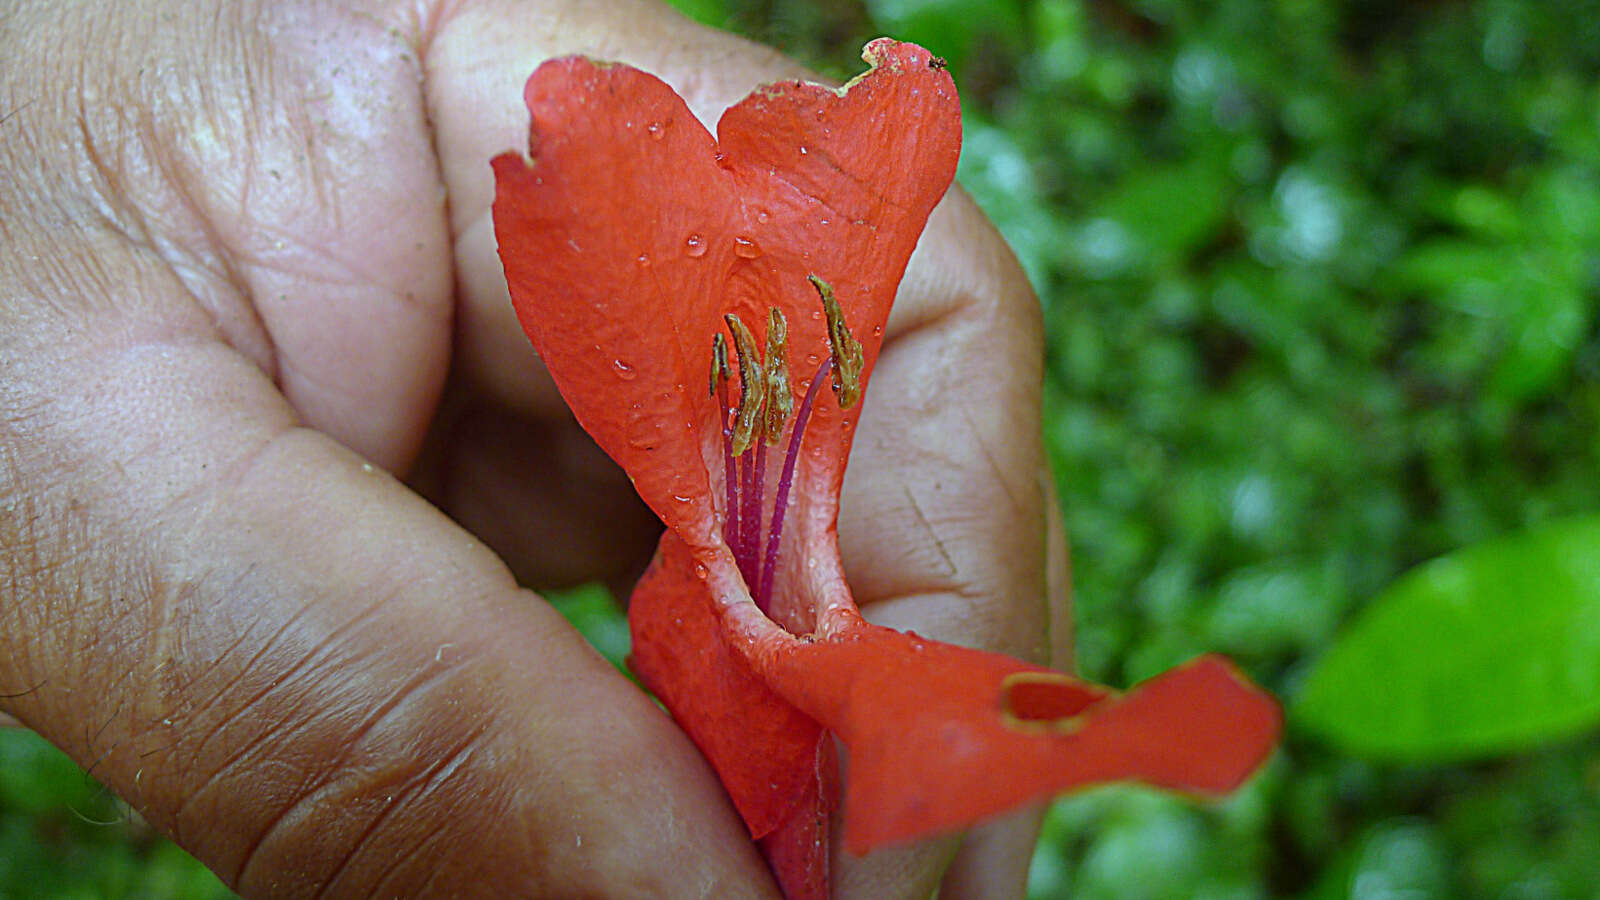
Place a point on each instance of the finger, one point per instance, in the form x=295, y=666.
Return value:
x=994, y=858
x=309, y=678
x=279, y=655
x=538, y=491
x=941, y=525
x=943, y=514
x=245, y=148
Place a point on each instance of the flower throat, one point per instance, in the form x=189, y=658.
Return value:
x=758, y=421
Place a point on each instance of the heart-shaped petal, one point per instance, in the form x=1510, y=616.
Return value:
x=627, y=232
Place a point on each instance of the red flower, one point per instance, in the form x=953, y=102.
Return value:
x=681, y=289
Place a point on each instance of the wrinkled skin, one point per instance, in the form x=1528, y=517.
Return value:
x=251, y=316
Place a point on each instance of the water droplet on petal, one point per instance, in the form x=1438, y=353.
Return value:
x=803, y=151
x=746, y=248
x=624, y=370
x=763, y=216
x=681, y=499
x=644, y=259
x=655, y=129
x=695, y=245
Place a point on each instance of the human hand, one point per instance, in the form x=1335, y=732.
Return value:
x=251, y=270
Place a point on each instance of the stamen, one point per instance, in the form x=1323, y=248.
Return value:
x=719, y=387
x=846, y=350
x=748, y=537
x=752, y=391
x=719, y=362
x=780, y=402
x=780, y=504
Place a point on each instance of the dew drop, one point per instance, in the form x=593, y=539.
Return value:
x=656, y=129
x=803, y=151
x=877, y=331
x=624, y=370
x=644, y=259
x=745, y=248
x=695, y=245
x=681, y=499
x=700, y=571
x=763, y=216
x=812, y=359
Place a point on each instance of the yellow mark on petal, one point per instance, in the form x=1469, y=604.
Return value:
x=846, y=350
x=1043, y=702
x=752, y=385
x=780, y=402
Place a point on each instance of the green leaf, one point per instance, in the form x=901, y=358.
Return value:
x=592, y=610
x=1172, y=210
x=1492, y=649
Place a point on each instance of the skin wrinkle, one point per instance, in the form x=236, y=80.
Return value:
x=249, y=704
x=129, y=218
x=266, y=649
x=227, y=690
x=339, y=781
x=409, y=784
x=403, y=861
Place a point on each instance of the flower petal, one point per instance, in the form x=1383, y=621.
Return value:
x=841, y=183
x=597, y=232
x=763, y=749
x=941, y=737
x=797, y=850
x=627, y=232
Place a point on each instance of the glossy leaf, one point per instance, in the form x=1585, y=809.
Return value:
x=1492, y=649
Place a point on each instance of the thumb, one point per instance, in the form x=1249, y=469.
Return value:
x=308, y=677
x=280, y=656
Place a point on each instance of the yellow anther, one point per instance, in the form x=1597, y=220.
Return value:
x=753, y=385
x=779, y=400
x=846, y=350
x=719, y=362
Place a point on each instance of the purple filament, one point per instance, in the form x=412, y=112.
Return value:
x=742, y=538
x=780, y=504
x=731, y=526
x=752, y=510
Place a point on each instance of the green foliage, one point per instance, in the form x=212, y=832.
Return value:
x=1492, y=649
x=62, y=836
x=594, y=612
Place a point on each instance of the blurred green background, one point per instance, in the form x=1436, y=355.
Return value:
x=1320, y=283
